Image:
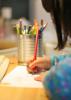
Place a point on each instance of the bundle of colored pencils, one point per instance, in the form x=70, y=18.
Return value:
x=30, y=29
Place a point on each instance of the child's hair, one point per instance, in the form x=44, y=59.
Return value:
x=61, y=14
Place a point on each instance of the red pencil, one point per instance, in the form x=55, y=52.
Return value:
x=36, y=40
x=34, y=68
x=36, y=45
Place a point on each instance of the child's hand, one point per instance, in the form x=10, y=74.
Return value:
x=40, y=63
x=41, y=77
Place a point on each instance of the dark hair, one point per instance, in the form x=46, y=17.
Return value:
x=61, y=12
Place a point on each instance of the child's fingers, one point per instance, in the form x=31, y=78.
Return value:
x=37, y=63
x=29, y=70
x=35, y=70
x=40, y=77
x=29, y=61
x=33, y=64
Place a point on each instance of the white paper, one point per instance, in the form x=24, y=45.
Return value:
x=20, y=77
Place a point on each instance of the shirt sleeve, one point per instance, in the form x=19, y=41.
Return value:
x=58, y=80
x=56, y=59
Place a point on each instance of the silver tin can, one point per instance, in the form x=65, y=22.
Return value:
x=26, y=45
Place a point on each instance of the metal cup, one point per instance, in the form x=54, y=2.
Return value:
x=26, y=45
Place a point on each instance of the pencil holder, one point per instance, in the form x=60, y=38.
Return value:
x=26, y=45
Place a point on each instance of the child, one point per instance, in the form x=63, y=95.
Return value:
x=57, y=81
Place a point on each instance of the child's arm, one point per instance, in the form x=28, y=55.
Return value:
x=46, y=62
x=57, y=80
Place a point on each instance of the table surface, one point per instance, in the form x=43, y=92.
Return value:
x=17, y=93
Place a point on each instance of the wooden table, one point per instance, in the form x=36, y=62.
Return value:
x=16, y=93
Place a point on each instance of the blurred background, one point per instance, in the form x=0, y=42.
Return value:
x=12, y=10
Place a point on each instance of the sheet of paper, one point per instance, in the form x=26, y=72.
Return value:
x=20, y=77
